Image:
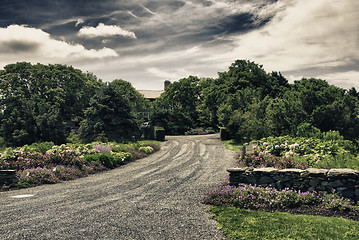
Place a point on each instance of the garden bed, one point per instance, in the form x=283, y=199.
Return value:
x=46, y=163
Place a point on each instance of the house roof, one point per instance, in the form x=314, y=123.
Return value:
x=151, y=94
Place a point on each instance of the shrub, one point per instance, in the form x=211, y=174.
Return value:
x=38, y=147
x=160, y=133
x=68, y=172
x=308, y=131
x=35, y=176
x=252, y=197
x=148, y=132
x=92, y=158
x=154, y=146
x=121, y=148
x=120, y=157
x=147, y=150
x=137, y=154
x=107, y=160
x=21, y=160
x=224, y=134
x=102, y=148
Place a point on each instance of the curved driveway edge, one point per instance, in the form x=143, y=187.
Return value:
x=157, y=197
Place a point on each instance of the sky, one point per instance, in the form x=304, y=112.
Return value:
x=148, y=41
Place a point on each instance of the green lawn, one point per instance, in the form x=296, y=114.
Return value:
x=247, y=224
x=232, y=145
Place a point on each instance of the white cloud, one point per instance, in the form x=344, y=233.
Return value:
x=22, y=43
x=163, y=74
x=306, y=34
x=346, y=80
x=103, y=30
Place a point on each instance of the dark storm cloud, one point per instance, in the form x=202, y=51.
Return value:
x=179, y=37
x=18, y=47
x=62, y=19
x=41, y=12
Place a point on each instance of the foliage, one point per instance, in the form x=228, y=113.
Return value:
x=160, y=133
x=252, y=197
x=260, y=159
x=176, y=109
x=249, y=224
x=37, y=99
x=153, y=145
x=224, y=134
x=174, y=122
x=329, y=151
x=109, y=113
x=36, y=176
x=70, y=161
x=137, y=101
x=147, y=149
x=42, y=147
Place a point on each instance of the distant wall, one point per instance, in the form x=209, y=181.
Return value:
x=7, y=177
x=344, y=181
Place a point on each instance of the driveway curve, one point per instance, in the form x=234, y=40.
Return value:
x=157, y=197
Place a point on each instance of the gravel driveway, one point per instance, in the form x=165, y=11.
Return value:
x=157, y=197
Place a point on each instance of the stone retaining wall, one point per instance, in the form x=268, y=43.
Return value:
x=343, y=181
x=7, y=177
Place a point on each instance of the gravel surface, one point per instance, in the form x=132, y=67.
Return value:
x=157, y=197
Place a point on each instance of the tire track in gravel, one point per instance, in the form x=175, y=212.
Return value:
x=157, y=197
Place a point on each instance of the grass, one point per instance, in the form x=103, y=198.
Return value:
x=240, y=223
x=249, y=224
x=232, y=145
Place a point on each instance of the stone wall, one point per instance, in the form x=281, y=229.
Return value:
x=7, y=177
x=343, y=181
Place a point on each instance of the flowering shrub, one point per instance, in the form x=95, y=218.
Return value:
x=92, y=168
x=68, y=172
x=36, y=176
x=154, y=146
x=299, y=152
x=313, y=149
x=147, y=150
x=123, y=156
x=260, y=159
x=21, y=160
x=137, y=154
x=67, y=161
x=102, y=148
x=252, y=197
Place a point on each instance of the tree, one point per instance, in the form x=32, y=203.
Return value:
x=229, y=92
x=109, y=114
x=36, y=100
x=285, y=114
x=179, y=101
x=137, y=101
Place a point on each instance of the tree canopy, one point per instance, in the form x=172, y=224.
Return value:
x=109, y=114
x=37, y=99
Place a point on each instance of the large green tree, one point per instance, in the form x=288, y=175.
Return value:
x=109, y=115
x=36, y=100
x=176, y=109
x=231, y=91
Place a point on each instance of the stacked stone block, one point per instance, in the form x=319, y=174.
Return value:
x=343, y=181
x=7, y=177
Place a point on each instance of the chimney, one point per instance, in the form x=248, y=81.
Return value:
x=167, y=83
